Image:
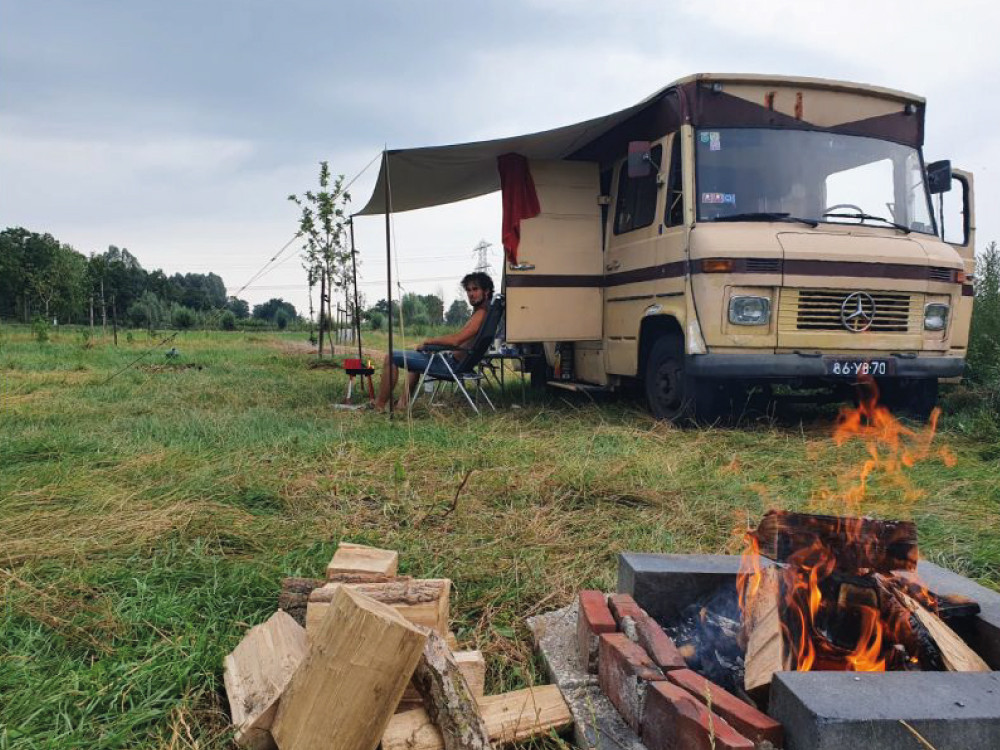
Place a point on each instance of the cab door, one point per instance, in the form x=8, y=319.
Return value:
x=554, y=292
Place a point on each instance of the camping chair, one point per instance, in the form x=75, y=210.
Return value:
x=440, y=370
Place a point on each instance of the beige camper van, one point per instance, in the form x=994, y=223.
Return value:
x=729, y=231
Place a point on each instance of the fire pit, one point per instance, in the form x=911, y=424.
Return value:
x=821, y=710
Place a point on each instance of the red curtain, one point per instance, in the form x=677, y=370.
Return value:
x=520, y=201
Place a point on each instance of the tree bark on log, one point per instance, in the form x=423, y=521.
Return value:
x=294, y=596
x=447, y=698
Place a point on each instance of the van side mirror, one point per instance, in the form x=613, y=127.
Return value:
x=939, y=176
x=639, y=163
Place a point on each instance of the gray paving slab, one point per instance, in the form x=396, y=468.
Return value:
x=597, y=724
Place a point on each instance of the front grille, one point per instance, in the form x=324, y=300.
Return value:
x=763, y=265
x=936, y=273
x=819, y=310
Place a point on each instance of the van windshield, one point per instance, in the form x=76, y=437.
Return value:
x=757, y=173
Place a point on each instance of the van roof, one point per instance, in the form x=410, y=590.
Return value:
x=436, y=175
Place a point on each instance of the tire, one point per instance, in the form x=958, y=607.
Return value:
x=911, y=398
x=539, y=370
x=669, y=391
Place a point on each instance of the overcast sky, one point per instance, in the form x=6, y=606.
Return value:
x=177, y=129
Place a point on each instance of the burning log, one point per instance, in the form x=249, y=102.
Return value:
x=763, y=632
x=854, y=543
x=955, y=653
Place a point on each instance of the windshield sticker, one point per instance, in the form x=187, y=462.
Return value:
x=713, y=138
x=719, y=198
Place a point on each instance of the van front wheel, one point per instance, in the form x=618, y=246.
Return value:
x=668, y=388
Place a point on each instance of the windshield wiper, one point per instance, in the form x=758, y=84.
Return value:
x=767, y=216
x=862, y=217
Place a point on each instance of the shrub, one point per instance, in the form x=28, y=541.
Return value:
x=40, y=329
x=227, y=322
x=377, y=320
x=183, y=317
x=281, y=319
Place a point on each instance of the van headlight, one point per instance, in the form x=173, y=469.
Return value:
x=749, y=311
x=935, y=316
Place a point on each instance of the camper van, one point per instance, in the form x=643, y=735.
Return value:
x=729, y=231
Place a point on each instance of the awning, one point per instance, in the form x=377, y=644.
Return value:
x=435, y=175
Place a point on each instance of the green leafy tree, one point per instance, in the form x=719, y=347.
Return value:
x=458, y=313
x=238, y=307
x=147, y=312
x=183, y=318
x=269, y=310
x=323, y=227
x=414, y=310
x=227, y=321
x=984, y=336
x=434, y=307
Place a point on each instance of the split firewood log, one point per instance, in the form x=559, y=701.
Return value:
x=448, y=699
x=855, y=543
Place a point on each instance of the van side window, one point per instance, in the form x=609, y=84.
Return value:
x=635, y=206
x=673, y=216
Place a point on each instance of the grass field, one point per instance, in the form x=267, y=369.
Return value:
x=147, y=520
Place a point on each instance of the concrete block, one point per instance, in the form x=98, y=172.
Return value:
x=837, y=710
x=664, y=584
x=984, y=633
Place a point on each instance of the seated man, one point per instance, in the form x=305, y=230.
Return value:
x=479, y=289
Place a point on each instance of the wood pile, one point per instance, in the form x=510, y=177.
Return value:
x=363, y=657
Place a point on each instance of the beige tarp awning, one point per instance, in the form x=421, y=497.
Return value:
x=432, y=176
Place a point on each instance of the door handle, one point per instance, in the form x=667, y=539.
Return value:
x=613, y=265
x=523, y=267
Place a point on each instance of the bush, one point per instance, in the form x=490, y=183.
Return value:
x=281, y=319
x=227, y=322
x=183, y=317
x=377, y=320
x=40, y=329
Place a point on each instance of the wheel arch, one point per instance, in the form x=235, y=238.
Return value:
x=652, y=329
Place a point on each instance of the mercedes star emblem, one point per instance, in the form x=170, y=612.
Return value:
x=857, y=312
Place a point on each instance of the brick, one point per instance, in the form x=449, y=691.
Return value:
x=623, y=605
x=744, y=718
x=593, y=618
x=675, y=720
x=624, y=671
x=658, y=645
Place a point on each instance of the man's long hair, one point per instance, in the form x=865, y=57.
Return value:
x=483, y=280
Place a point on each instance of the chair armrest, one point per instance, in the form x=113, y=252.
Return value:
x=442, y=348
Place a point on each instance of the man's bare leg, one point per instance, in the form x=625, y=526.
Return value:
x=409, y=384
x=387, y=383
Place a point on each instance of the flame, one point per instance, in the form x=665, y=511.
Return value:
x=891, y=446
x=749, y=577
x=865, y=657
x=808, y=616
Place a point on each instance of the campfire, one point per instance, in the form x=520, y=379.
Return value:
x=844, y=596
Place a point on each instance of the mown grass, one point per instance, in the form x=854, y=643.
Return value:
x=146, y=521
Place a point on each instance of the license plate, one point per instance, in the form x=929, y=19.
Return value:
x=854, y=368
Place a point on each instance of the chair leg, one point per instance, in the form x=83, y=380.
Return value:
x=420, y=383
x=461, y=387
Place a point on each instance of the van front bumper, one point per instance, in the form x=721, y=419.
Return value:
x=795, y=365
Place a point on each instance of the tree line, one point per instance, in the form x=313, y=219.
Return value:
x=43, y=278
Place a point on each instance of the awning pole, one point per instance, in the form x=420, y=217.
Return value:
x=388, y=268
x=357, y=307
